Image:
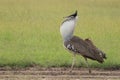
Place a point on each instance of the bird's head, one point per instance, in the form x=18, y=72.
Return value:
x=68, y=25
x=72, y=16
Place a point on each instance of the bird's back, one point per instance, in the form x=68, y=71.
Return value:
x=85, y=48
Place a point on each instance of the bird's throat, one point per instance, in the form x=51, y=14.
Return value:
x=67, y=29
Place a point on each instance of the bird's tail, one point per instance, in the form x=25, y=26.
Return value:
x=100, y=55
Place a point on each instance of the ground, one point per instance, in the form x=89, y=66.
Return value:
x=58, y=74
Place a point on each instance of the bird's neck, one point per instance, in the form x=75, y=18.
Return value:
x=67, y=38
x=67, y=29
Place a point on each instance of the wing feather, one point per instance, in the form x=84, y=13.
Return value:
x=84, y=48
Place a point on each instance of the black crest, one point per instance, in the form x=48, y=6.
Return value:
x=73, y=15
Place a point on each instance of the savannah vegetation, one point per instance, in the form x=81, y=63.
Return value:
x=29, y=31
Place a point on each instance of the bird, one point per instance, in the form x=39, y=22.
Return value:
x=77, y=45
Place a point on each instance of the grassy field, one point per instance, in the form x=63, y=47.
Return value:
x=29, y=31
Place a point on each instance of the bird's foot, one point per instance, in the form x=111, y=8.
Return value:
x=90, y=71
x=70, y=70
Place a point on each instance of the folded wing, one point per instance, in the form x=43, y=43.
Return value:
x=85, y=48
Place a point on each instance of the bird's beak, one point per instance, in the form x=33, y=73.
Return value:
x=74, y=15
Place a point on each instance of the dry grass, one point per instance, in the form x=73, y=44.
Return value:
x=29, y=31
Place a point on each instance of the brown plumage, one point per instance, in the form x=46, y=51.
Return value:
x=85, y=48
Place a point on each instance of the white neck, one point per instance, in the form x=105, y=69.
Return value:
x=67, y=29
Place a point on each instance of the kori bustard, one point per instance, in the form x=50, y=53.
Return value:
x=77, y=45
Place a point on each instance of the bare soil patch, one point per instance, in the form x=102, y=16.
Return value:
x=58, y=74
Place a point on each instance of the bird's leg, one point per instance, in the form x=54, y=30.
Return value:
x=87, y=65
x=73, y=62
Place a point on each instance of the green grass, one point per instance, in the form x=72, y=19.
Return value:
x=29, y=31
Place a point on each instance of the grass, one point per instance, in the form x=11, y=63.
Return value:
x=29, y=31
